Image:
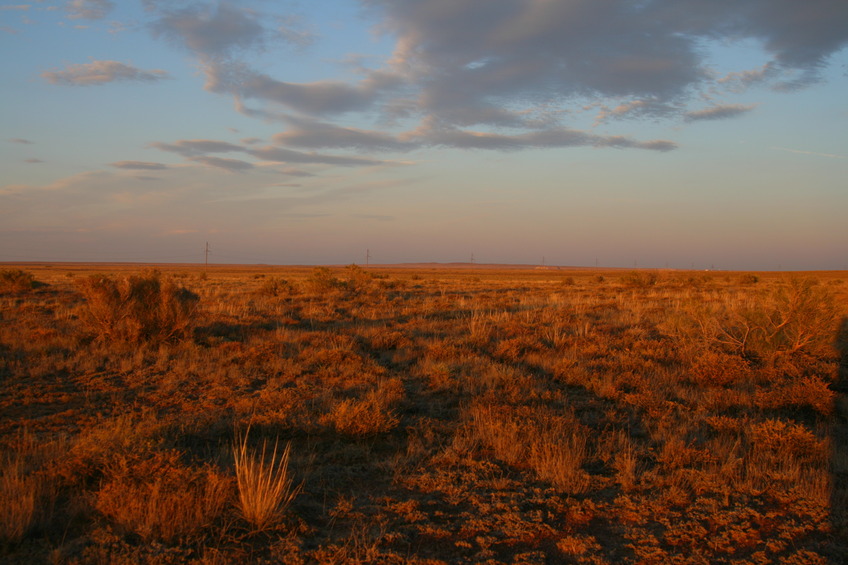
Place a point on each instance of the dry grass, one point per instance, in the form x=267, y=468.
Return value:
x=432, y=415
x=265, y=486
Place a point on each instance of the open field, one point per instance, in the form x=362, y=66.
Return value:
x=422, y=414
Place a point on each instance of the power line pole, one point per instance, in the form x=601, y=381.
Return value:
x=206, y=261
x=367, y=257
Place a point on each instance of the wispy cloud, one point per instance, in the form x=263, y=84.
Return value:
x=815, y=153
x=20, y=140
x=719, y=112
x=139, y=165
x=231, y=165
x=89, y=9
x=101, y=72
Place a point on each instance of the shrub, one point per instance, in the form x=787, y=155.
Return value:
x=640, y=279
x=797, y=318
x=138, y=308
x=275, y=287
x=16, y=280
x=323, y=280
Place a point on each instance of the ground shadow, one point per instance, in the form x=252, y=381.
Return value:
x=839, y=455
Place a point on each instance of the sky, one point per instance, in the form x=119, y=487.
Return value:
x=613, y=133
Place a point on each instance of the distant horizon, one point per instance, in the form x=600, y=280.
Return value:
x=418, y=264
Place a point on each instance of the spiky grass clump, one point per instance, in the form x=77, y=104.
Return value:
x=265, y=486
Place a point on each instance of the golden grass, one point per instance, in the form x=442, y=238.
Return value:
x=265, y=486
x=433, y=415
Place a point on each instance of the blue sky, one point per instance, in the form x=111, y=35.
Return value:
x=671, y=133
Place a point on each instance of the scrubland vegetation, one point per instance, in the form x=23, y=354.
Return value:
x=422, y=416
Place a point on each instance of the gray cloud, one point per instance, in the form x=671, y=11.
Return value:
x=197, y=150
x=316, y=98
x=101, y=72
x=232, y=165
x=560, y=137
x=20, y=140
x=281, y=155
x=211, y=30
x=89, y=9
x=139, y=165
x=195, y=147
x=505, y=75
x=719, y=112
x=314, y=134
x=33, y=160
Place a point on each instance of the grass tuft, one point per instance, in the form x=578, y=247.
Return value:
x=265, y=486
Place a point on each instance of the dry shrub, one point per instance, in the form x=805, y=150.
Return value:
x=161, y=499
x=788, y=439
x=552, y=445
x=275, y=287
x=369, y=415
x=805, y=392
x=134, y=309
x=718, y=369
x=322, y=280
x=640, y=279
x=16, y=280
x=799, y=318
x=265, y=486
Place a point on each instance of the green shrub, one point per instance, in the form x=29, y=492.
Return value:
x=138, y=308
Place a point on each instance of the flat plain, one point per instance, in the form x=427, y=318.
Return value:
x=421, y=414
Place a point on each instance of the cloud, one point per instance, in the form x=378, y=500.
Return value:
x=139, y=166
x=232, y=165
x=505, y=77
x=211, y=31
x=814, y=153
x=530, y=50
x=102, y=72
x=219, y=30
x=18, y=7
x=89, y=9
x=33, y=160
x=194, y=147
x=719, y=112
x=20, y=140
x=552, y=138
x=281, y=155
x=315, y=98
x=314, y=134
x=197, y=150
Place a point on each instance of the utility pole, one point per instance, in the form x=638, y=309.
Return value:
x=472, y=257
x=367, y=257
x=206, y=261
